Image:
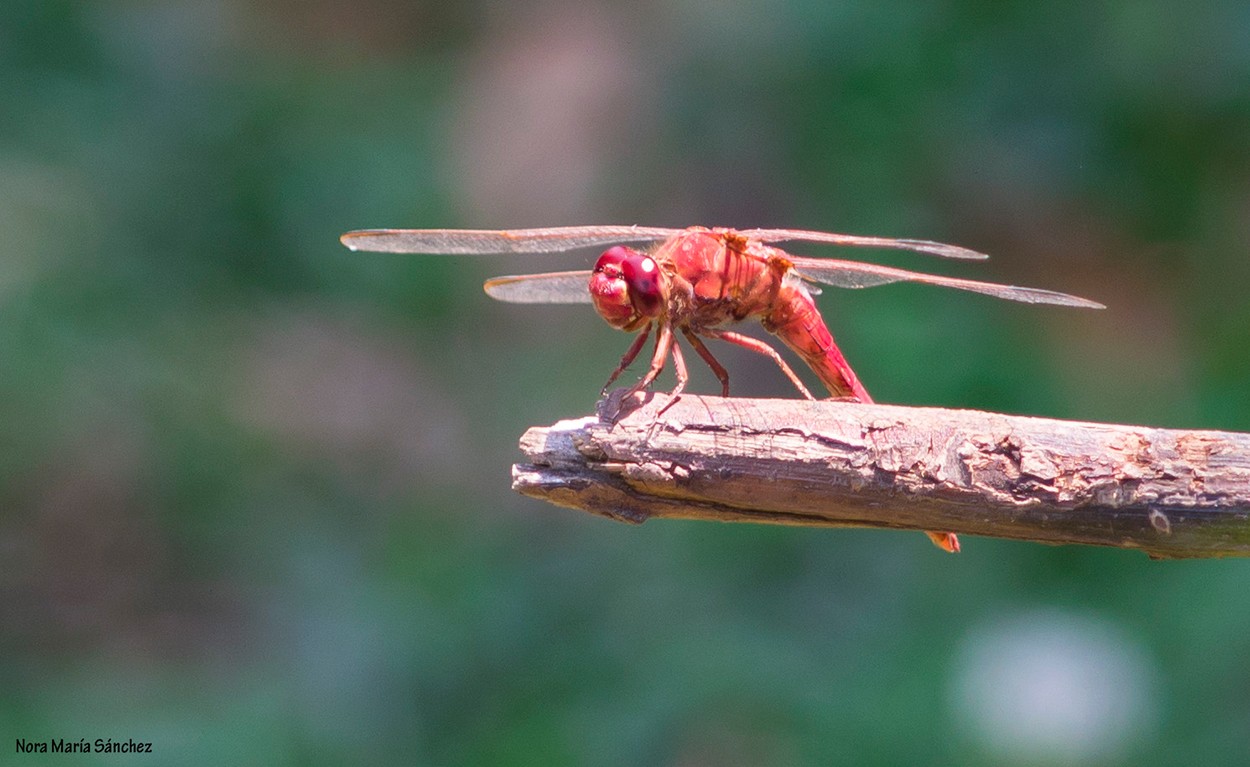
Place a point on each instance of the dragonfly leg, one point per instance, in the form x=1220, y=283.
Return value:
x=722, y=375
x=663, y=345
x=679, y=369
x=630, y=354
x=759, y=347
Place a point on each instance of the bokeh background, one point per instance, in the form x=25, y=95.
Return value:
x=254, y=487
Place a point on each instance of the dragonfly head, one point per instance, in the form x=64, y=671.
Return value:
x=626, y=288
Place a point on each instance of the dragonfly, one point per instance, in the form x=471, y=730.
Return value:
x=697, y=282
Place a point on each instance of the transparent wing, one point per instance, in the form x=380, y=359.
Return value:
x=466, y=241
x=549, y=288
x=831, y=238
x=852, y=274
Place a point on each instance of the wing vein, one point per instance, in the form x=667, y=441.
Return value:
x=854, y=274
x=480, y=241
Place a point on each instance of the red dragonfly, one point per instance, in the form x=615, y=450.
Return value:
x=697, y=280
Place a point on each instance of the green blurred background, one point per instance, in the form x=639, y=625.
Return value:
x=255, y=487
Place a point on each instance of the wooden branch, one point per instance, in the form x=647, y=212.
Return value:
x=1170, y=493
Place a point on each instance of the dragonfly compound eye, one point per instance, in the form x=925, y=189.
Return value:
x=610, y=262
x=612, y=293
x=642, y=275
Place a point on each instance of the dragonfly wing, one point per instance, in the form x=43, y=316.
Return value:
x=467, y=241
x=853, y=240
x=853, y=274
x=549, y=288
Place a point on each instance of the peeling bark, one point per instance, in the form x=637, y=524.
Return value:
x=1170, y=492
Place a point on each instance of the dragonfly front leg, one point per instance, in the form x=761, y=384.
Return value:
x=663, y=345
x=630, y=354
x=722, y=374
x=759, y=347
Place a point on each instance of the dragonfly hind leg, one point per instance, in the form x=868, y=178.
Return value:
x=722, y=374
x=759, y=347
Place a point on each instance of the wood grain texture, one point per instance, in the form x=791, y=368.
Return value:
x=1169, y=492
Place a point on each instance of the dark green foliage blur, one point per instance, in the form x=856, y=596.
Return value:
x=254, y=488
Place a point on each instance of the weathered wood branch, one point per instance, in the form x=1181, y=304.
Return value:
x=1169, y=492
